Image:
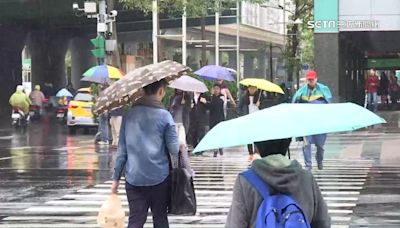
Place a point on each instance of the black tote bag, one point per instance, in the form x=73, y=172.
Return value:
x=183, y=197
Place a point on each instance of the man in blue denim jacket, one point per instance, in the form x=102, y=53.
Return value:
x=147, y=137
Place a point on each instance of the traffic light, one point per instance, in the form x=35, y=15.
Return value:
x=99, y=51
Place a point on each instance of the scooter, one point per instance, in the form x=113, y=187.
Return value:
x=61, y=114
x=34, y=112
x=19, y=120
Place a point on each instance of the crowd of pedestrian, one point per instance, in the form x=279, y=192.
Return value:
x=380, y=86
x=150, y=135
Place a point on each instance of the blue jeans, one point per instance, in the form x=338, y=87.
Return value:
x=103, y=128
x=373, y=101
x=319, y=141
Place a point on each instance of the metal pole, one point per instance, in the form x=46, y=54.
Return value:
x=270, y=63
x=184, y=35
x=155, y=27
x=102, y=20
x=217, y=32
x=284, y=28
x=238, y=74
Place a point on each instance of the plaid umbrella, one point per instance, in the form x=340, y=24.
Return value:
x=129, y=88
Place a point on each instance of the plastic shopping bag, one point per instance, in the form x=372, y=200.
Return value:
x=111, y=214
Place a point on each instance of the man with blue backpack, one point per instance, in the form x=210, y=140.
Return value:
x=277, y=192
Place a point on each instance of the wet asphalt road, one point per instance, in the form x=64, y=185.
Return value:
x=52, y=179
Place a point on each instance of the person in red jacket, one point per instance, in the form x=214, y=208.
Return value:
x=371, y=88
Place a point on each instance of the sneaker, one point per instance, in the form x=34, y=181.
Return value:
x=251, y=157
x=309, y=168
x=215, y=154
x=320, y=166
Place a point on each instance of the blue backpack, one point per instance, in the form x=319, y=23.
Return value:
x=276, y=211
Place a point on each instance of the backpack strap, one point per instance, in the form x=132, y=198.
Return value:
x=256, y=182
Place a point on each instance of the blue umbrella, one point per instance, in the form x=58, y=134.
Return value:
x=64, y=93
x=286, y=121
x=214, y=72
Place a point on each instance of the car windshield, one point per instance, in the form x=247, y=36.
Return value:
x=83, y=97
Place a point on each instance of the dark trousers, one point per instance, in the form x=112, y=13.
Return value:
x=197, y=132
x=140, y=199
x=250, y=149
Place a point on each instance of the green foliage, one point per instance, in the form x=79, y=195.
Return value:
x=174, y=8
x=303, y=40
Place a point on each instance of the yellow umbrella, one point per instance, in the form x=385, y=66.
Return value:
x=262, y=84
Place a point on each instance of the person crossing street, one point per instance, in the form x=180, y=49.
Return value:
x=313, y=93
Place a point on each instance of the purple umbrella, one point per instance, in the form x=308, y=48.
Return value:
x=187, y=83
x=214, y=72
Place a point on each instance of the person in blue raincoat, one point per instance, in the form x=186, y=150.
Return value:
x=313, y=93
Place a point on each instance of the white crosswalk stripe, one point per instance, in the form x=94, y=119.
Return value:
x=341, y=182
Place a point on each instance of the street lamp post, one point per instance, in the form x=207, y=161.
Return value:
x=217, y=32
x=155, y=29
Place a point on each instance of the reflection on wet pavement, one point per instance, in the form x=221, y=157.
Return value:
x=51, y=179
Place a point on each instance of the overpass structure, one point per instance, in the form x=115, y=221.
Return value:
x=45, y=30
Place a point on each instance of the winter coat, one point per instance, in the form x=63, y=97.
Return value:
x=372, y=84
x=284, y=176
x=216, y=107
x=245, y=101
x=199, y=113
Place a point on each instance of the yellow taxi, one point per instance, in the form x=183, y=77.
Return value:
x=80, y=111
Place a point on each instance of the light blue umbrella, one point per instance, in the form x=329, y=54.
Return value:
x=64, y=93
x=286, y=121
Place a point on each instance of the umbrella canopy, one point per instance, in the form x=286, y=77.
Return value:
x=286, y=121
x=262, y=84
x=214, y=72
x=104, y=71
x=129, y=88
x=104, y=80
x=64, y=93
x=187, y=83
x=102, y=74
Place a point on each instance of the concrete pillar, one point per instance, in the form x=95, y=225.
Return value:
x=248, y=65
x=211, y=57
x=232, y=60
x=48, y=57
x=12, y=42
x=327, y=66
x=194, y=55
x=262, y=66
x=82, y=59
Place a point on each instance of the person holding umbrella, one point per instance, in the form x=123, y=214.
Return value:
x=216, y=107
x=281, y=176
x=180, y=109
x=147, y=138
x=226, y=95
x=313, y=93
x=199, y=117
x=249, y=103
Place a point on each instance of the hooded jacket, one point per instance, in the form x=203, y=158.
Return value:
x=281, y=175
x=21, y=100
